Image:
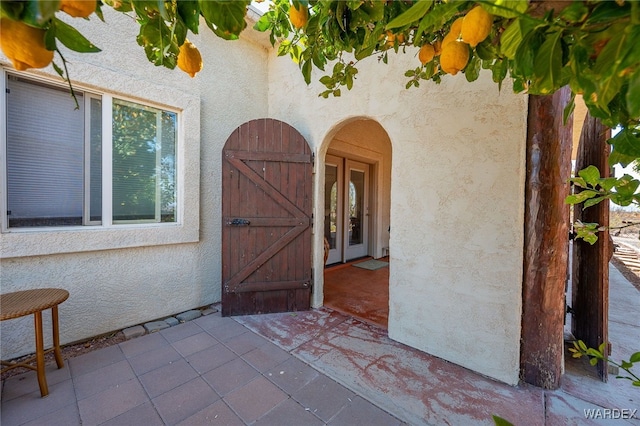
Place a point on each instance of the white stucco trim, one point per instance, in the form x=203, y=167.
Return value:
x=45, y=241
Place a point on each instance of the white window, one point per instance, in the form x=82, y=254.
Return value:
x=108, y=162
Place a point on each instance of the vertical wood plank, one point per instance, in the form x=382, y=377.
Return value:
x=590, y=277
x=546, y=240
x=246, y=243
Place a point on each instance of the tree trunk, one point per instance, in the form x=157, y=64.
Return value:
x=546, y=240
x=590, y=287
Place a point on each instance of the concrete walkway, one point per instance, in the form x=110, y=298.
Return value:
x=310, y=368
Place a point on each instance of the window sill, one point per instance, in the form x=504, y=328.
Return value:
x=39, y=242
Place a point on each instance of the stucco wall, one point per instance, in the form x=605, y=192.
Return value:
x=119, y=287
x=456, y=203
x=456, y=198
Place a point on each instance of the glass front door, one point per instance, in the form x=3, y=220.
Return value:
x=346, y=209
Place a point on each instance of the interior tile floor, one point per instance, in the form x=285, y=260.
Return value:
x=319, y=367
x=358, y=292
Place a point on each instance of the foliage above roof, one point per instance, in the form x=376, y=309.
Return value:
x=538, y=46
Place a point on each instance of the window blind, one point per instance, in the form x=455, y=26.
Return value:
x=45, y=154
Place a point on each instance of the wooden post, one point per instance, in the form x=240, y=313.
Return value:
x=590, y=277
x=546, y=240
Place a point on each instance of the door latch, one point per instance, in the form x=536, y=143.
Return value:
x=239, y=222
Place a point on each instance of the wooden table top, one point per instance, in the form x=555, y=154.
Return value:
x=25, y=302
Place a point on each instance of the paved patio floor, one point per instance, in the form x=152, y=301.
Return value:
x=307, y=368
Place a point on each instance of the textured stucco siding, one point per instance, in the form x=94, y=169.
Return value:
x=456, y=203
x=456, y=198
x=115, y=281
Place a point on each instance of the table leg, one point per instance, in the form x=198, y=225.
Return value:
x=42, y=380
x=56, y=337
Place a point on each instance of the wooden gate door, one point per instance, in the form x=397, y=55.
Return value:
x=590, y=287
x=266, y=219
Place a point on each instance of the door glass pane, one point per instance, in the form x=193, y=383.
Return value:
x=356, y=206
x=331, y=205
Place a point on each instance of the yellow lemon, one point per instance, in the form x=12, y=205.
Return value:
x=454, y=32
x=437, y=47
x=298, y=17
x=24, y=45
x=476, y=26
x=426, y=54
x=78, y=8
x=392, y=38
x=189, y=59
x=454, y=57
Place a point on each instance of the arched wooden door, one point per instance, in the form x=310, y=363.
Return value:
x=266, y=219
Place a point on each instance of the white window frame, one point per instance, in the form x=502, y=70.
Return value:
x=86, y=214
x=20, y=242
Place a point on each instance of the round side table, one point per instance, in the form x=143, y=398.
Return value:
x=21, y=303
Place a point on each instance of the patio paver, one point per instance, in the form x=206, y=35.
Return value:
x=310, y=368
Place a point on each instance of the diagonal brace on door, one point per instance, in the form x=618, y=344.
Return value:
x=266, y=187
x=233, y=283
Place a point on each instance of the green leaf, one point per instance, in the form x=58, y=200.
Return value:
x=506, y=8
x=602, y=347
x=523, y=62
x=514, y=34
x=38, y=12
x=608, y=11
x=486, y=50
x=306, y=71
x=499, y=71
x=576, y=12
x=499, y=421
x=50, y=38
x=593, y=202
x=626, y=365
x=627, y=186
x=59, y=70
x=579, y=182
x=149, y=9
x=635, y=357
x=547, y=65
x=159, y=46
x=12, y=9
x=327, y=81
x=72, y=38
x=580, y=196
x=594, y=352
x=189, y=11
x=472, y=70
x=626, y=148
x=608, y=66
x=415, y=12
x=120, y=6
x=375, y=9
x=264, y=23
x=369, y=42
x=319, y=60
x=633, y=94
x=591, y=175
x=436, y=18
x=593, y=361
x=608, y=183
x=225, y=17
x=568, y=110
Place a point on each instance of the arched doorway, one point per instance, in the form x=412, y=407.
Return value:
x=356, y=204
